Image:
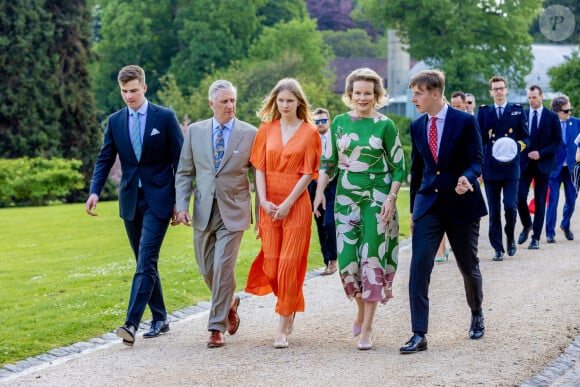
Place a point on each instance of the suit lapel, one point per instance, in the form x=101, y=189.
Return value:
x=447, y=133
x=235, y=138
x=151, y=122
x=423, y=140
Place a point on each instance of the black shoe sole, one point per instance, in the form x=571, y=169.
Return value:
x=403, y=352
x=123, y=333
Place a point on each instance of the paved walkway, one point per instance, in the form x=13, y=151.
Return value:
x=532, y=318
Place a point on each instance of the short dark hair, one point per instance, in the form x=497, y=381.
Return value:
x=320, y=110
x=536, y=87
x=497, y=78
x=558, y=102
x=459, y=94
x=128, y=73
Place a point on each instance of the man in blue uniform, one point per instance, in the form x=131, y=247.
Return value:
x=504, y=134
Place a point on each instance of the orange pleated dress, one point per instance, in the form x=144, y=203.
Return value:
x=280, y=267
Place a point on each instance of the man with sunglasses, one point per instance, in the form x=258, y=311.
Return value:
x=470, y=103
x=504, y=134
x=562, y=175
x=325, y=222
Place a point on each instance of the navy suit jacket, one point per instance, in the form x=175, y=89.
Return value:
x=433, y=184
x=512, y=124
x=162, y=141
x=547, y=141
x=567, y=151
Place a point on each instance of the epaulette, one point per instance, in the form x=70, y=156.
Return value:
x=517, y=105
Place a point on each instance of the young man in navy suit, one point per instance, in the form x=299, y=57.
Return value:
x=147, y=138
x=446, y=160
x=536, y=163
x=562, y=175
x=504, y=134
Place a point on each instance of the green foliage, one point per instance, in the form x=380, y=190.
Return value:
x=566, y=78
x=38, y=181
x=46, y=108
x=353, y=43
x=470, y=40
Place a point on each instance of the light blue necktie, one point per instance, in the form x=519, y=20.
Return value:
x=136, y=136
x=219, y=146
x=563, y=126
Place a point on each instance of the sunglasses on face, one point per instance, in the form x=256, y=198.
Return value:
x=469, y=102
x=322, y=121
x=567, y=111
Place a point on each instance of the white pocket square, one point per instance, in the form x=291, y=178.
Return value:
x=154, y=132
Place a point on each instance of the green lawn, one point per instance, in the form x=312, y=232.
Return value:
x=65, y=276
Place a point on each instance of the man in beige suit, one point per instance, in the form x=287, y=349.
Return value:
x=216, y=154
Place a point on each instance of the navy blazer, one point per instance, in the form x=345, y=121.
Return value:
x=461, y=154
x=512, y=123
x=547, y=141
x=162, y=141
x=567, y=151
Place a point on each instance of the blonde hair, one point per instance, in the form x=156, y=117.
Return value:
x=269, y=110
x=368, y=75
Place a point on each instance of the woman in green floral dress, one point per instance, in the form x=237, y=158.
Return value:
x=366, y=153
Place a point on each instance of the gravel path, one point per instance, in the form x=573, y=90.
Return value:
x=531, y=309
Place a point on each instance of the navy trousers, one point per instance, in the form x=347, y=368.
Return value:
x=565, y=179
x=146, y=233
x=427, y=234
x=493, y=191
x=540, y=191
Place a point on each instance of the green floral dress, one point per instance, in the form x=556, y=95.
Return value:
x=368, y=156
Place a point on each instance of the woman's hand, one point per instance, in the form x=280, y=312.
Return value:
x=282, y=211
x=269, y=207
x=388, y=209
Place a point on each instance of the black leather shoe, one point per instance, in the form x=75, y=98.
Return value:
x=415, y=344
x=511, y=248
x=550, y=239
x=534, y=244
x=524, y=235
x=477, y=327
x=567, y=233
x=498, y=256
x=157, y=328
x=127, y=333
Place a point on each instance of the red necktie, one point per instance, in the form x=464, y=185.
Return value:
x=433, y=137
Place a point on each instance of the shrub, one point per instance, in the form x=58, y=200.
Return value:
x=37, y=181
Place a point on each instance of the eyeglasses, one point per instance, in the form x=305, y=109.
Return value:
x=322, y=121
x=567, y=111
x=495, y=89
x=469, y=102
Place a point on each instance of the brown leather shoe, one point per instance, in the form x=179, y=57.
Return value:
x=233, y=318
x=216, y=339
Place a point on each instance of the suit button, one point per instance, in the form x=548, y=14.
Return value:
x=438, y=172
x=436, y=190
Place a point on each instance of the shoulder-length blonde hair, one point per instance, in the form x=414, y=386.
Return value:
x=269, y=110
x=365, y=74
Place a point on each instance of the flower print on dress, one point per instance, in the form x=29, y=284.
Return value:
x=347, y=223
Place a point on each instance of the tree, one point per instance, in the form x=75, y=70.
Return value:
x=353, y=43
x=470, y=40
x=566, y=78
x=46, y=108
x=331, y=14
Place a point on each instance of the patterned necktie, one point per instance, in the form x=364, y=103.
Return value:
x=499, y=108
x=433, y=137
x=534, y=128
x=218, y=149
x=136, y=136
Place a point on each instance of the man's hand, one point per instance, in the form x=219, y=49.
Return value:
x=463, y=185
x=183, y=217
x=534, y=155
x=91, y=204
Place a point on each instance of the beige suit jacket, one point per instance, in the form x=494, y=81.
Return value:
x=229, y=184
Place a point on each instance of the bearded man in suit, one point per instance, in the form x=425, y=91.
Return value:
x=216, y=156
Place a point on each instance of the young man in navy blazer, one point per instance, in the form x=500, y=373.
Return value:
x=446, y=160
x=147, y=138
x=536, y=163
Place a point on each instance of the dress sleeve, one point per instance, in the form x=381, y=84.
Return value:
x=258, y=156
x=394, y=152
x=329, y=160
x=312, y=153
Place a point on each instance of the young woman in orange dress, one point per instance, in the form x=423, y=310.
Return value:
x=286, y=156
